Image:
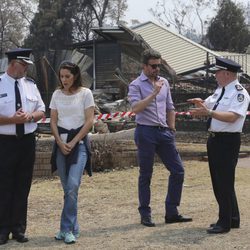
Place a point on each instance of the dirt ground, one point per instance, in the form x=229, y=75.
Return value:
x=109, y=219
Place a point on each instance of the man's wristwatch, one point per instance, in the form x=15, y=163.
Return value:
x=210, y=112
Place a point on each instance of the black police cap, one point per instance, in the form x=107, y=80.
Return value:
x=225, y=64
x=20, y=54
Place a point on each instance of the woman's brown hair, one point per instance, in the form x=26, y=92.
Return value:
x=74, y=70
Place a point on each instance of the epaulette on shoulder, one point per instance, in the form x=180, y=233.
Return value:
x=238, y=87
x=29, y=79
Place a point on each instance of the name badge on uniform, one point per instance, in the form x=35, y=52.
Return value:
x=3, y=95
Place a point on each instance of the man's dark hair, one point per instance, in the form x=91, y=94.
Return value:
x=150, y=54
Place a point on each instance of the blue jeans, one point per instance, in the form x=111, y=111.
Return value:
x=71, y=184
x=150, y=141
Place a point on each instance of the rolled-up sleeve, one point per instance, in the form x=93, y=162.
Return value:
x=169, y=100
x=134, y=93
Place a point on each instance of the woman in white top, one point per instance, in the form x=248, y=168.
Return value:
x=72, y=116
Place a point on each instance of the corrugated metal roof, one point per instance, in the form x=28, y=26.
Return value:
x=132, y=44
x=181, y=53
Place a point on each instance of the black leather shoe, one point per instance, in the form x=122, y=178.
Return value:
x=147, y=221
x=177, y=218
x=20, y=237
x=3, y=239
x=218, y=230
x=233, y=225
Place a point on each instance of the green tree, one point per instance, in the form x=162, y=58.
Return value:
x=228, y=30
x=52, y=26
x=61, y=22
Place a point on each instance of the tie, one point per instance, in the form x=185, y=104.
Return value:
x=19, y=127
x=214, y=107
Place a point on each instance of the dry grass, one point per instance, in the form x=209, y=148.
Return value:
x=109, y=219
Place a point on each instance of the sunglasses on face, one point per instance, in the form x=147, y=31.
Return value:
x=154, y=66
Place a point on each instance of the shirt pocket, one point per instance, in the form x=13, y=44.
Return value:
x=31, y=103
x=224, y=104
x=7, y=106
x=225, y=101
x=212, y=101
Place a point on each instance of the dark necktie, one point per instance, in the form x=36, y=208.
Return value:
x=19, y=127
x=214, y=107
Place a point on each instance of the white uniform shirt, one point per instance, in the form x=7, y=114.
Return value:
x=70, y=108
x=30, y=97
x=235, y=99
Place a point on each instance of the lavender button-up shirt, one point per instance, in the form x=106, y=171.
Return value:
x=155, y=113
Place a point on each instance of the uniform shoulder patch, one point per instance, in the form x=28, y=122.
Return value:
x=240, y=97
x=29, y=79
x=238, y=87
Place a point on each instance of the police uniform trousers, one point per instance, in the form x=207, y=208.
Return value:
x=159, y=140
x=223, y=150
x=17, y=156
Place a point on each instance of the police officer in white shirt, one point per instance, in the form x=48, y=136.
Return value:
x=226, y=110
x=21, y=107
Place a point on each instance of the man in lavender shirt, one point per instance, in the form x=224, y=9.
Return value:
x=151, y=101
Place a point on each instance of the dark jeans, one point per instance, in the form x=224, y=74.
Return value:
x=151, y=140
